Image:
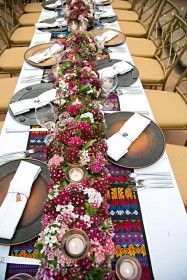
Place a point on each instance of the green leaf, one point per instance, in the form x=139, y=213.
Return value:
x=90, y=210
x=87, y=145
x=39, y=246
x=63, y=184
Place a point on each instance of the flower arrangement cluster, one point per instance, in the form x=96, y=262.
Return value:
x=77, y=74
x=79, y=11
x=79, y=138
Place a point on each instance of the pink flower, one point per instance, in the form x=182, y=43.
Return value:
x=109, y=248
x=50, y=256
x=55, y=160
x=75, y=141
x=99, y=255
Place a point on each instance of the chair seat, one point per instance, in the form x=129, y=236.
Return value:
x=169, y=108
x=177, y=156
x=7, y=87
x=29, y=19
x=120, y=4
x=132, y=29
x=11, y=60
x=33, y=8
x=141, y=47
x=23, y=35
x=126, y=15
x=150, y=70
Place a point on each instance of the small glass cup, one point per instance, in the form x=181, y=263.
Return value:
x=109, y=82
x=22, y=276
x=46, y=117
x=100, y=41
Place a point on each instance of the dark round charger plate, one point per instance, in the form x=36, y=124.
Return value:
x=125, y=79
x=109, y=19
x=28, y=118
x=30, y=223
x=52, y=29
x=145, y=150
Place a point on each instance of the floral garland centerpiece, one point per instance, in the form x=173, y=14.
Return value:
x=77, y=204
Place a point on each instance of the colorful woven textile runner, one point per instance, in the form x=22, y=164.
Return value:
x=124, y=211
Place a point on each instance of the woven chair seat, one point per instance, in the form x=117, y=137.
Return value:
x=120, y=4
x=22, y=35
x=169, y=108
x=33, y=8
x=150, y=70
x=141, y=47
x=1, y=124
x=126, y=15
x=132, y=29
x=7, y=86
x=29, y=19
x=177, y=156
x=11, y=60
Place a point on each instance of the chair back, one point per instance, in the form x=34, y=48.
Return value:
x=181, y=85
x=165, y=14
x=173, y=45
x=8, y=21
x=147, y=11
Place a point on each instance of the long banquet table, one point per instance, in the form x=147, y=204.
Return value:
x=163, y=212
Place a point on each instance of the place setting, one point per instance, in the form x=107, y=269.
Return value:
x=56, y=23
x=108, y=37
x=22, y=196
x=134, y=140
x=53, y=5
x=43, y=55
x=24, y=103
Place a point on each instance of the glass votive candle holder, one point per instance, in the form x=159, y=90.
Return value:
x=128, y=268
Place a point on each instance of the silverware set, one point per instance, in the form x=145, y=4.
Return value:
x=158, y=180
x=15, y=155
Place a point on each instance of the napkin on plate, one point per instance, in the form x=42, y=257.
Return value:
x=118, y=68
x=108, y=14
x=37, y=58
x=15, y=201
x=109, y=35
x=25, y=105
x=58, y=3
x=118, y=144
x=63, y=22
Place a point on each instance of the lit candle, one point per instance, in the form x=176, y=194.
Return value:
x=76, y=245
x=127, y=270
x=76, y=174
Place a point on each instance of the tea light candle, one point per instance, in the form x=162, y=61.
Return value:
x=76, y=174
x=127, y=270
x=76, y=245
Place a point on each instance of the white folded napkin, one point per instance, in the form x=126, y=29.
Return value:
x=23, y=106
x=37, y=58
x=58, y=3
x=15, y=201
x=57, y=23
x=109, y=35
x=118, y=144
x=107, y=14
x=118, y=68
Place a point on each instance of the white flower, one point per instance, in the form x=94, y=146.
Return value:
x=62, y=85
x=94, y=196
x=85, y=218
x=88, y=115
